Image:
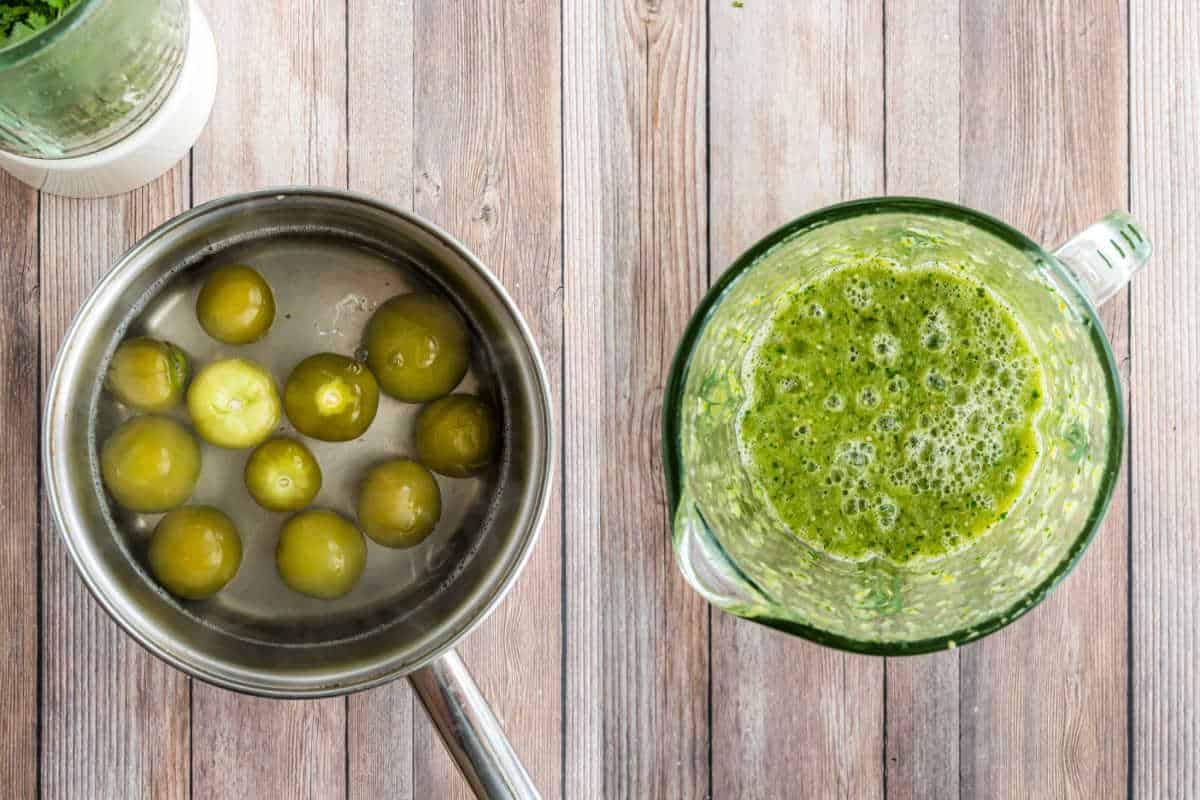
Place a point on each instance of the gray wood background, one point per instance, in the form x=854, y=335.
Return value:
x=608, y=158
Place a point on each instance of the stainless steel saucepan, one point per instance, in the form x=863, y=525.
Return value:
x=331, y=258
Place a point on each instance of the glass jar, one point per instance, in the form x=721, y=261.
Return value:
x=91, y=78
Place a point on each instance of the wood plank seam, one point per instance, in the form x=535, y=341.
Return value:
x=796, y=117
x=20, y=506
x=636, y=664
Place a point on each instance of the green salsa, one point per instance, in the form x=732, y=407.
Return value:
x=891, y=410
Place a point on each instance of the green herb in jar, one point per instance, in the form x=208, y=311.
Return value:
x=20, y=20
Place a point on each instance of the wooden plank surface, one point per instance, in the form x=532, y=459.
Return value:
x=608, y=155
x=796, y=120
x=279, y=118
x=380, y=722
x=1043, y=147
x=635, y=263
x=921, y=84
x=114, y=719
x=488, y=168
x=19, y=481
x=1165, y=546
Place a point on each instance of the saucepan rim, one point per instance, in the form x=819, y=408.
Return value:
x=123, y=609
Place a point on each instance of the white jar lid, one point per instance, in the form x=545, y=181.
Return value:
x=150, y=150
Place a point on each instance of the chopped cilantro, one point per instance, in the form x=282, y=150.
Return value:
x=21, y=19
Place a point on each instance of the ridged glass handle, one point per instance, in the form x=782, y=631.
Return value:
x=1106, y=255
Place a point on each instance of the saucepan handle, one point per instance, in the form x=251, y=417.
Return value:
x=471, y=731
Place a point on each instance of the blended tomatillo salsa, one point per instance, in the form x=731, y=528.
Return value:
x=891, y=410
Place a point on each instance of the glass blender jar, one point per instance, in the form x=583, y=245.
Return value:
x=106, y=97
x=736, y=551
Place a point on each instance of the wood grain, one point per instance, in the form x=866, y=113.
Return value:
x=379, y=723
x=1165, y=88
x=251, y=747
x=1044, y=147
x=279, y=118
x=921, y=82
x=797, y=123
x=280, y=111
x=381, y=60
x=114, y=718
x=635, y=262
x=488, y=168
x=597, y=192
x=921, y=73
x=19, y=374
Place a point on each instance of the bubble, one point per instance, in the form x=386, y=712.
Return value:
x=983, y=500
x=974, y=423
x=787, y=385
x=942, y=454
x=853, y=505
x=885, y=347
x=886, y=512
x=856, y=454
x=868, y=397
x=835, y=402
x=935, y=330
x=935, y=382
x=886, y=423
x=916, y=445
x=859, y=293
x=897, y=384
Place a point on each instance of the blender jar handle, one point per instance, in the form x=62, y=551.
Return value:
x=471, y=731
x=1106, y=255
